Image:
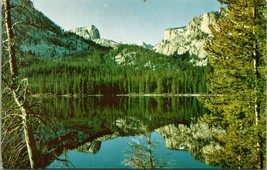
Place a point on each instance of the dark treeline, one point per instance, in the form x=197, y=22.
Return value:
x=96, y=114
x=76, y=112
x=123, y=70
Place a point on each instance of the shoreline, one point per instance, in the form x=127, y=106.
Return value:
x=127, y=95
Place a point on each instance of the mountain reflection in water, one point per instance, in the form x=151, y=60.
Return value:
x=100, y=128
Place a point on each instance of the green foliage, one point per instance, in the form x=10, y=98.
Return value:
x=90, y=112
x=236, y=54
x=123, y=70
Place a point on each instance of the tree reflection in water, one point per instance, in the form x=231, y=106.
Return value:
x=141, y=154
x=82, y=123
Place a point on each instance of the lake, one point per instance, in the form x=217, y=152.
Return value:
x=109, y=131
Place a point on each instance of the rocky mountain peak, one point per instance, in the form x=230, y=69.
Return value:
x=201, y=23
x=143, y=44
x=90, y=32
x=190, y=39
x=93, y=34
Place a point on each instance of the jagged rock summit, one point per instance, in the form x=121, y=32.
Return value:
x=144, y=45
x=92, y=33
x=178, y=41
x=87, y=32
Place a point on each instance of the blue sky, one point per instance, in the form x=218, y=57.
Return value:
x=126, y=21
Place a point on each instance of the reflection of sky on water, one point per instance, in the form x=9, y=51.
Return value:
x=111, y=155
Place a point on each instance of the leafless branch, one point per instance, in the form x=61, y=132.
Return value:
x=19, y=22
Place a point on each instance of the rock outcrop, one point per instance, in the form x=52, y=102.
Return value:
x=106, y=43
x=178, y=41
x=92, y=33
x=88, y=33
x=144, y=45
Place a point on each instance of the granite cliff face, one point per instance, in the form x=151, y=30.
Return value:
x=88, y=33
x=92, y=33
x=178, y=41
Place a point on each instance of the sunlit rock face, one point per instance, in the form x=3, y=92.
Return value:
x=106, y=43
x=87, y=32
x=92, y=33
x=191, y=38
x=125, y=57
x=144, y=45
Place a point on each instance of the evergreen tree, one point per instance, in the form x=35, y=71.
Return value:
x=236, y=54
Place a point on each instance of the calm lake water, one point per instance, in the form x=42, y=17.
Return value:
x=102, y=132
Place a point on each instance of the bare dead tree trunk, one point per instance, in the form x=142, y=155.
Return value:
x=18, y=98
x=28, y=133
x=10, y=37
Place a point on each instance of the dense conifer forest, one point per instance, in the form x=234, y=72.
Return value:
x=142, y=71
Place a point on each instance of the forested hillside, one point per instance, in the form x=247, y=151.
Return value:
x=36, y=34
x=60, y=62
x=125, y=69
